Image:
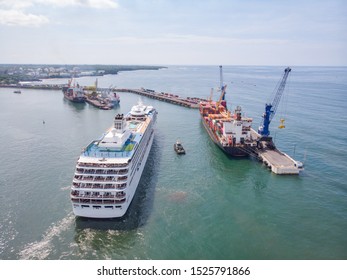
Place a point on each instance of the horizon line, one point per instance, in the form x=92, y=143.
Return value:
x=167, y=65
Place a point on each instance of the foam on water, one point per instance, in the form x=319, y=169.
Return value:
x=41, y=249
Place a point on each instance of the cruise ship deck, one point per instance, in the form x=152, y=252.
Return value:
x=126, y=151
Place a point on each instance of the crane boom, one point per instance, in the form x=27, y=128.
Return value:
x=270, y=109
x=222, y=88
x=221, y=76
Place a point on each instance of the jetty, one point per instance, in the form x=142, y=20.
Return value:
x=278, y=162
x=189, y=102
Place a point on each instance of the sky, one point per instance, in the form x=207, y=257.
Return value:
x=174, y=32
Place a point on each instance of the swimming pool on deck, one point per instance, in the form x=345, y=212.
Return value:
x=93, y=150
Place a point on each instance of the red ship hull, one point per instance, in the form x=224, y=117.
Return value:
x=230, y=150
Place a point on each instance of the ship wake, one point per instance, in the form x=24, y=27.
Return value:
x=39, y=250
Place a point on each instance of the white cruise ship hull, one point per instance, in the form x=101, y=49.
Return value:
x=109, y=169
x=116, y=212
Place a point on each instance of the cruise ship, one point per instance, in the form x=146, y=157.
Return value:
x=109, y=169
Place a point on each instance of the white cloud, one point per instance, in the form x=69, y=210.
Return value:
x=14, y=12
x=15, y=4
x=17, y=17
x=102, y=4
x=20, y=4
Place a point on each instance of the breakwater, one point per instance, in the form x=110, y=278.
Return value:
x=33, y=86
x=190, y=102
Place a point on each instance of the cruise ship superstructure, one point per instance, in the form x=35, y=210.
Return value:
x=109, y=169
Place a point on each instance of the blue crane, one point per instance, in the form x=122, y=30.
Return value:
x=222, y=89
x=270, y=109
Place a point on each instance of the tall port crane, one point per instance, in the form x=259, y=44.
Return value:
x=270, y=109
x=222, y=88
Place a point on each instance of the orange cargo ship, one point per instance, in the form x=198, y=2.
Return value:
x=230, y=131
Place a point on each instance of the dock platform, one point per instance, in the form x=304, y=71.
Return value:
x=279, y=162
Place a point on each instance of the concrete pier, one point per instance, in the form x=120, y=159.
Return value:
x=279, y=162
x=188, y=102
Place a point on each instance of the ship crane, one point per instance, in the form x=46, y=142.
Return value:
x=222, y=88
x=270, y=109
x=222, y=95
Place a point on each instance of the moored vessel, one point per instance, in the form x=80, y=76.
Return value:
x=109, y=169
x=74, y=92
x=230, y=131
x=102, y=98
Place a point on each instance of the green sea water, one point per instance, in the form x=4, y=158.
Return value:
x=202, y=205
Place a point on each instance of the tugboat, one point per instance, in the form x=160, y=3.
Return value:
x=179, y=148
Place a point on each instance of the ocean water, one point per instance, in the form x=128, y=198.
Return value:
x=202, y=205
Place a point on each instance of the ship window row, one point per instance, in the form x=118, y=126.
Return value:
x=101, y=165
x=98, y=206
x=137, y=158
x=139, y=152
x=145, y=146
x=137, y=118
x=106, y=154
x=97, y=201
x=100, y=178
x=101, y=171
x=89, y=194
x=99, y=186
x=144, y=151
